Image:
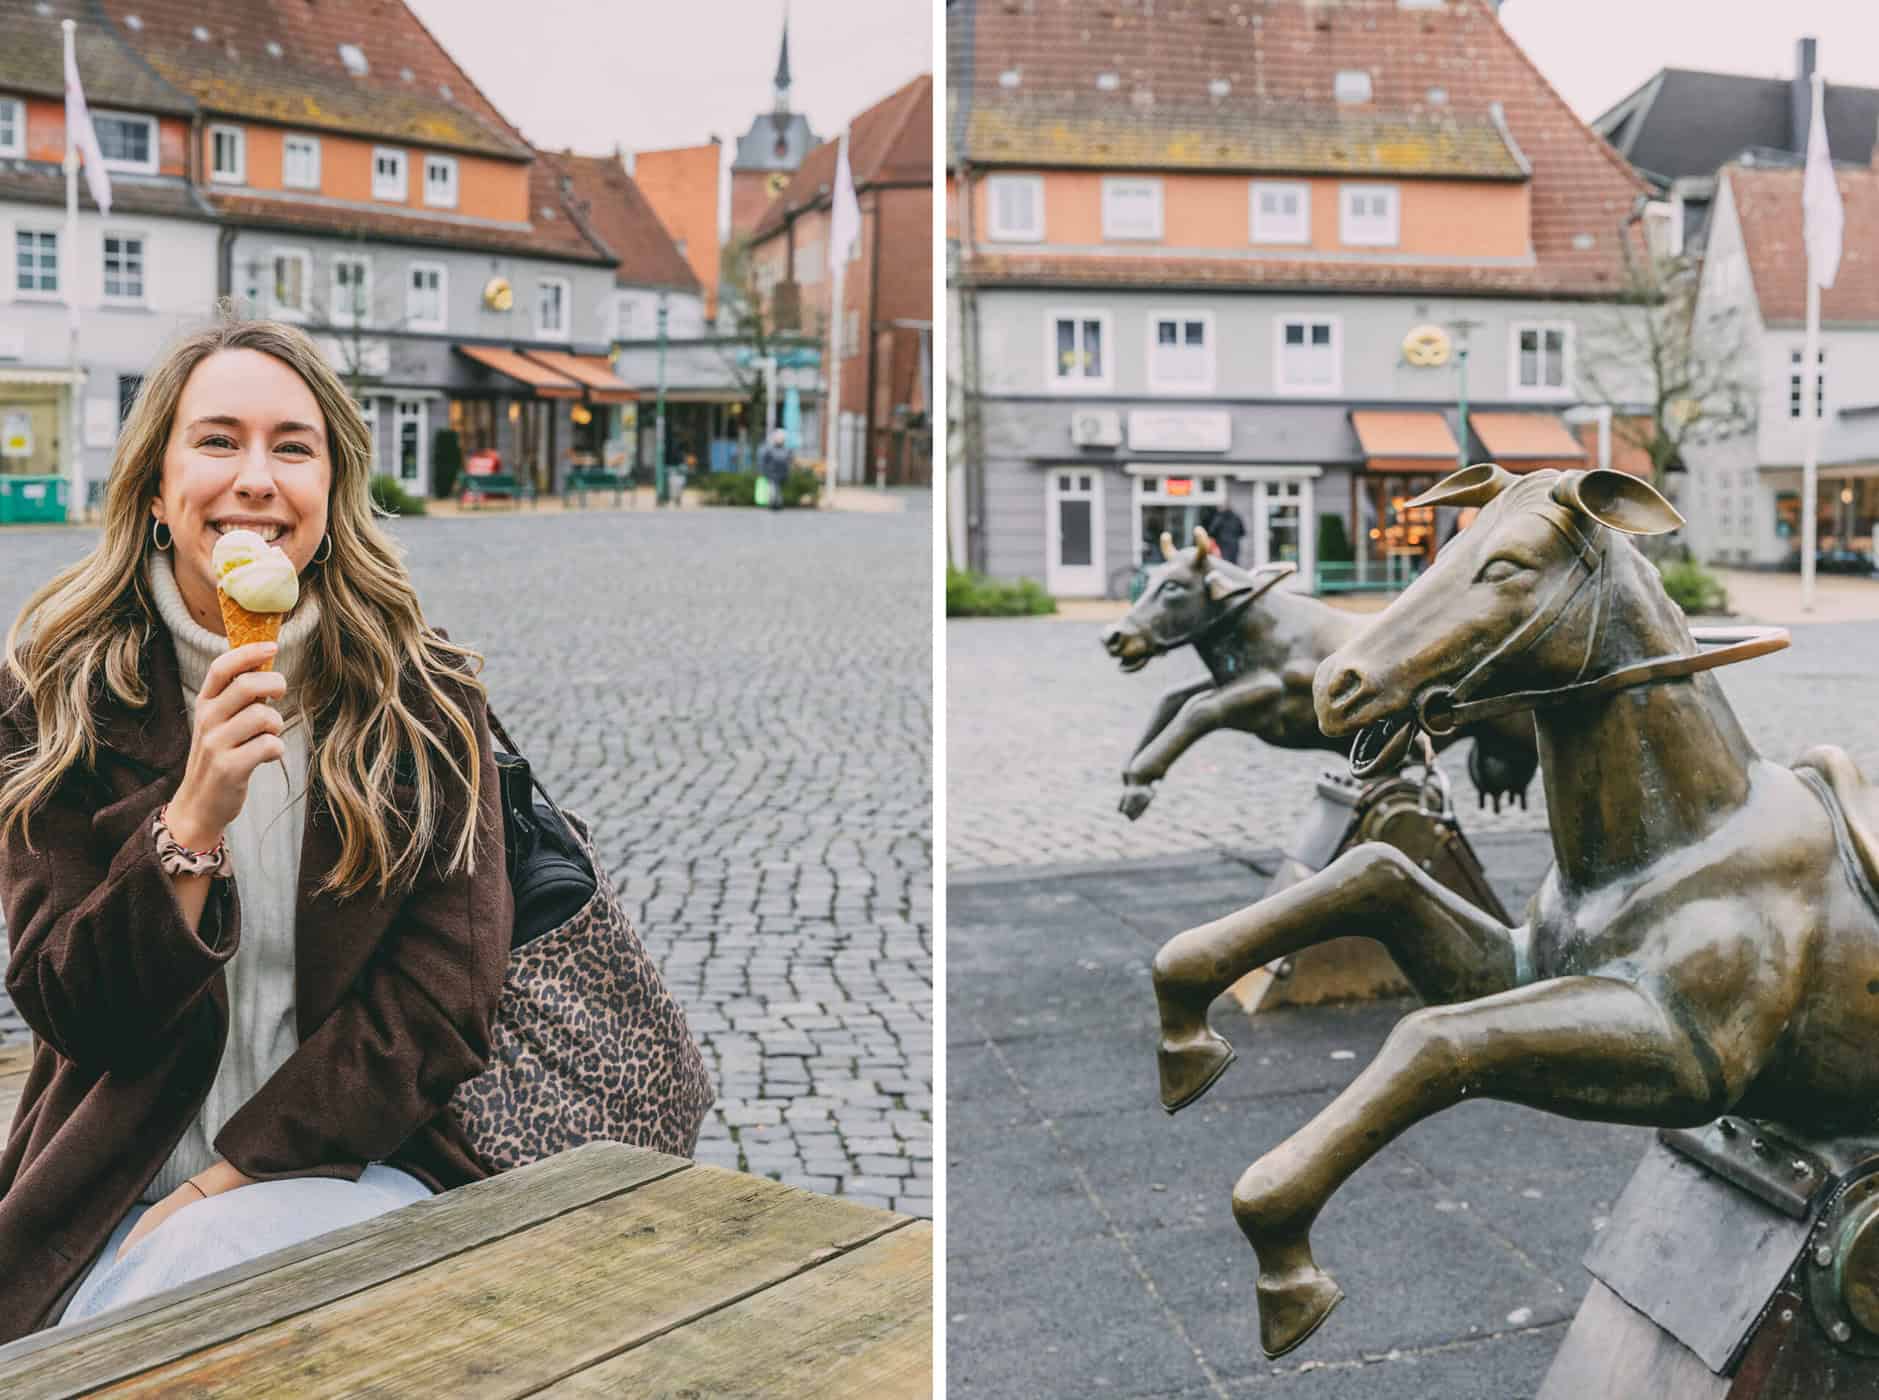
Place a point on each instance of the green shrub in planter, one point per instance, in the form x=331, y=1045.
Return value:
x=740, y=488
x=1334, y=543
x=392, y=498
x=974, y=595
x=1692, y=587
x=446, y=462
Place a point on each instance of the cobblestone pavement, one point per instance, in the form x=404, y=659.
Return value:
x=740, y=704
x=1040, y=722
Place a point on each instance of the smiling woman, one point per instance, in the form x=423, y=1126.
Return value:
x=258, y=910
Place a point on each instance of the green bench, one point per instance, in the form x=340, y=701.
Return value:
x=581, y=481
x=496, y=486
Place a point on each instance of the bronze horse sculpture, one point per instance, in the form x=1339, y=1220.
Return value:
x=1261, y=649
x=1707, y=941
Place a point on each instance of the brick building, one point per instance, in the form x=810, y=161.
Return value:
x=681, y=185
x=887, y=284
x=1205, y=263
x=769, y=153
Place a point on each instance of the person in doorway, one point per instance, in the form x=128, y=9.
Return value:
x=1227, y=529
x=257, y=903
x=774, y=462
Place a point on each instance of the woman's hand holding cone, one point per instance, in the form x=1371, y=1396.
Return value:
x=236, y=731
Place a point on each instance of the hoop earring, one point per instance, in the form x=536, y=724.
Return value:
x=325, y=551
x=161, y=536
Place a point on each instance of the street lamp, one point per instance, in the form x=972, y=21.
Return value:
x=658, y=422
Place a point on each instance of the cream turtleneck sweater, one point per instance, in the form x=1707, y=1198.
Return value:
x=264, y=853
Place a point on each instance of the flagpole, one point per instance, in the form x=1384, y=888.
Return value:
x=831, y=429
x=68, y=275
x=1810, y=452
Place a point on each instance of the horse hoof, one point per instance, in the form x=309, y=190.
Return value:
x=1188, y=1071
x=1294, y=1305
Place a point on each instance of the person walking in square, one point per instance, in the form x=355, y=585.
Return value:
x=774, y=462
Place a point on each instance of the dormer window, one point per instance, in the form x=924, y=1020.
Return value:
x=1016, y=203
x=1281, y=212
x=1368, y=215
x=127, y=142
x=440, y=182
x=300, y=162
x=228, y=155
x=1132, y=209
x=388, y=174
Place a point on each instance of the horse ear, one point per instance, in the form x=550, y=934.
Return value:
x=1471, y=486
x=1627, y=503
x=1167, y=546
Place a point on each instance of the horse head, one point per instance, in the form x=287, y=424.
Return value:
x=1187, y=594
x=1516, y=602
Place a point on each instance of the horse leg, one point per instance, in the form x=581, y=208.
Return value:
x=1447, y=948
x=1584, y=1047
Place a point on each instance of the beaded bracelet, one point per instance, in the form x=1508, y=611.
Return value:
x=178, y=859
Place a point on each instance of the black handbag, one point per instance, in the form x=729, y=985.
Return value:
x=549, y=873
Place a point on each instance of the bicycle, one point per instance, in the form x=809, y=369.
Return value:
x=1127, y=581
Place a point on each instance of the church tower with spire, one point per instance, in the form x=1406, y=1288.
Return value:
x=768, y=154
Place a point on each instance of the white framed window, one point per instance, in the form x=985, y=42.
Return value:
x=388, y=173
x=351, y=303
x=551, y=308
x=12, y=127
x=1181, y=352
x=1542, y=359
x=1016, y=208
x=1796, y=392
x=124, y=268
x=228, y=155
x=291, y=277
x=300, y=162
x=368, y=410
x=425, y=287
x=36, y=262
x=1131, y=208
x=1080, y=351
x=440, y=181
x=1281, y=212
x=127, y=141
x=1367, y=215
x=413, y=451
x=1310, y=355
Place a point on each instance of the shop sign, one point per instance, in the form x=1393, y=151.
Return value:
x=1163, y=430
x=16, y=433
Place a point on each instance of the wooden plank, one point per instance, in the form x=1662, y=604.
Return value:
x=522, y=1312
x=182, y=1321
x=1615, y=1352
x=860, y=1327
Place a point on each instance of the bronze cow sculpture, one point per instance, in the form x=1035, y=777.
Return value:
x=1261, y=649
x=1707, y=941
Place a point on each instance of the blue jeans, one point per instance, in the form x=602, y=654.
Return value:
x=232, y=1228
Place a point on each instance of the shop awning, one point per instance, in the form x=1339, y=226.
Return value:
x=591, y=372
x=1405, y=441
x=539, y=380
x=1525, y=442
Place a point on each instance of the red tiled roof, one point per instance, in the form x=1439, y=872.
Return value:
x=1166, y=59
x=614, y=208
x=32, y=58
x=233, y=70
x=890, y=143
x=552, y=231
x=1276, y=274
x=1768, y=202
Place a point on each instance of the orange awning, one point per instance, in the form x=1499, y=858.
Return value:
x=1405, y=441
x=539, y=379
x=592, y=372
x=1524, y=442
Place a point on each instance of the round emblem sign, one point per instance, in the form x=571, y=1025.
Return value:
x=498, y=295
x=1426, y=347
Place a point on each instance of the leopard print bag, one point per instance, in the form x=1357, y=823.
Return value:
x=587, y=1044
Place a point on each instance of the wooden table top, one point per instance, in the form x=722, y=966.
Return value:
x=607, y=1271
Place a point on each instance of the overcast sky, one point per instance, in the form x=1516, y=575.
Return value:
x=1596, y=51
x=650, y=74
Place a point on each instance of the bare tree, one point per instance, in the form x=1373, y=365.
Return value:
x=1695, y=381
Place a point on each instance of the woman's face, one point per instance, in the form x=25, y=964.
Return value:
x=247, y=450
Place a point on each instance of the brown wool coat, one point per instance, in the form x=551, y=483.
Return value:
x=129, y=1008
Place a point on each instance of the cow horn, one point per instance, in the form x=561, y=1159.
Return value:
x=1167, y=545
x=1203, y=547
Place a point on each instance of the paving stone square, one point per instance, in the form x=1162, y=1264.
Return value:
x=740, y=704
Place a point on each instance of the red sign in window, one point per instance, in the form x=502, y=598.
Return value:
x=1179, y=486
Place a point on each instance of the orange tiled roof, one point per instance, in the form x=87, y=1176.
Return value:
x=620, y=216
x=1537, y=279
x=1768, y=202
x=890, y=143
x=1077, y=58
x=281, y=61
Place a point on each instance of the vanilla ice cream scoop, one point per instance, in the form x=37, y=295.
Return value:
x=254, y=573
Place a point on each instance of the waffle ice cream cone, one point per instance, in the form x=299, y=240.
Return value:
x=244, y=627
x=256, y=585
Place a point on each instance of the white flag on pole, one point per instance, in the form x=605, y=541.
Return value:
x=1822, y=213
x=82, y=137
x=845, y=210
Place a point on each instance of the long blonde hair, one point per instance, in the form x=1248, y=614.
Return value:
x=85, y=632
